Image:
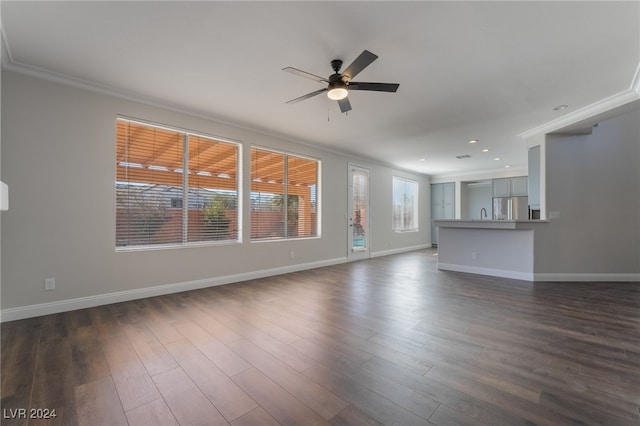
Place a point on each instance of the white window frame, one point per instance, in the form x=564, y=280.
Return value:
x=400, y=225
x=318, y=197
x=185, y=189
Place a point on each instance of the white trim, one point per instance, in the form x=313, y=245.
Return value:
x=177, y=129
x=598, y=277
x=541, y=277
x=30, y=311
x=477, y=174
x=6, y=57
x=399, y=250
x=587, y=112
x=360, y=253
x=67, y=80
x=503, y=273
x=415, y=213
x=4, y=196
x=635, y=82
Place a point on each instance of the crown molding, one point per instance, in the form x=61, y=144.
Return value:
x=80, y=83
x=5, y=53
x=602, y=106
x=478, y=174
x=635, y=83
x=43, y=74
x=587, y=112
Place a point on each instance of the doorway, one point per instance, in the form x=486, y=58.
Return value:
x=358, y=229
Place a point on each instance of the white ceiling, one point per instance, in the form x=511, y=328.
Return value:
x=467, y=70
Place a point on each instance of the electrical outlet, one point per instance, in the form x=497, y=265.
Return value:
x=474, y=255
x=50, y=284
x=292, y=255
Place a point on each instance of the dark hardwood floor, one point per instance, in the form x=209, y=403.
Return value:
x=389, y=341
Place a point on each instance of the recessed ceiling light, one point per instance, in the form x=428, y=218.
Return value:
x=507, y=166
x=485, y=150
x=422, y=159
x=497, y=158
x=560, y=107
x=473, y=141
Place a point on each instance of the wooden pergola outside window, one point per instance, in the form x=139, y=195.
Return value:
x=283, y=195
x=157, y=203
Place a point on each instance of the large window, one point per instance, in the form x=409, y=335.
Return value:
x=405, y=205
x=284, y=195
x=157, y=203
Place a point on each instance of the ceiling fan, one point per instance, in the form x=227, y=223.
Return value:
x=339, y=84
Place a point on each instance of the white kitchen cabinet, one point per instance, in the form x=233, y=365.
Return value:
x=437, y=193
x=501, y=187
x=443, y=193
x=449, y=193
x=509, y=187
x=518, y=186
x=443, y=205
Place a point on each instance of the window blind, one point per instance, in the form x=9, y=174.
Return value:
x=301, y=196
x=173, y=187
x=405, y=205
x=213, y=190
x=283, y=195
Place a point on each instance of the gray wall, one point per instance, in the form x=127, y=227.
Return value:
x=2, y=55
x=58, y=158
x=498, y=252
x=593, y=182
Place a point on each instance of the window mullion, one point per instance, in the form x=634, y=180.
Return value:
x=284, y=190
x=285, y=196
x=185, y=187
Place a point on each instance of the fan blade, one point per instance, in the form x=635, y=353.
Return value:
x=345, y=105
x=361, y=62
x=307, y=96
x=305, y=74
x=376, y=87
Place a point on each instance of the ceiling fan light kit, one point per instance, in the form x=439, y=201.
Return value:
x=339, y=84
x=337, y=91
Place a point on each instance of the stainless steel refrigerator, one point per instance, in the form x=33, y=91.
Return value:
x=510, y=208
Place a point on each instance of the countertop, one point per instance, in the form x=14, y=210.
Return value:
x=487, y=224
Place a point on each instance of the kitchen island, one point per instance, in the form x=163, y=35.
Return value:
x=501, y=248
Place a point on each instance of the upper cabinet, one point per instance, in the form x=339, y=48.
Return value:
x=519, y=186
x=443, y=193
x=501, y=187
x=508, y=187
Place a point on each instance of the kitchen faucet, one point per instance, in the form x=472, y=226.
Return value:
x=485, y=212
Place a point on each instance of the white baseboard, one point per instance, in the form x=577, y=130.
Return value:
x=503, y=273
x=30, y=311
x=540, y=277
x=586, y=277
x=22, y=312
x=399, y=250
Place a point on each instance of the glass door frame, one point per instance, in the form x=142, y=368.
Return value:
x=355, y=251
